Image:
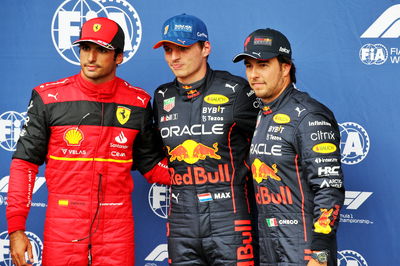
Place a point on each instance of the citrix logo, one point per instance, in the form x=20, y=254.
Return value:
x=386, y=25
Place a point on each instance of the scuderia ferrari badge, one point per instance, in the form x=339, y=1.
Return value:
x=123, y=113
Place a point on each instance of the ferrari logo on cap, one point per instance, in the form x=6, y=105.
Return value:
x=96, y=27
x=123, y=114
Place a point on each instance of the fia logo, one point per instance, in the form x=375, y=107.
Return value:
x=71, y=14
x=11, y=123
x=373, y=54
x=5, y=256
x=355, y=143
x=159, y=198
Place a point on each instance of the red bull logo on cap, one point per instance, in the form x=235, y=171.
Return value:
x=262, y=171
x=191, y=151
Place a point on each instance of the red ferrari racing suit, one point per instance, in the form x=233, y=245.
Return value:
x=207, y=133
x=90, y=137
x=298, y=180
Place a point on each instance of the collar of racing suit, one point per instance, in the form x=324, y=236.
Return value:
x=269, y=108
x=100, y=91
x=193, y=90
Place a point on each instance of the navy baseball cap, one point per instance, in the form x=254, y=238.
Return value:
x=183, y=30
x=264, y=44
x=104, y=32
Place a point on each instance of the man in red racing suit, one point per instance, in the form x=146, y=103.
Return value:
x=91, y=130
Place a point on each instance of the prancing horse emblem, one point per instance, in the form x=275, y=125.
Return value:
x=123, y=113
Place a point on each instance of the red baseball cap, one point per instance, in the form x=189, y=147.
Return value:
x=104, y=32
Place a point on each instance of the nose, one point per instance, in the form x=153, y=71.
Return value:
x=175, y=54
x=92, y=55
x=252, y=73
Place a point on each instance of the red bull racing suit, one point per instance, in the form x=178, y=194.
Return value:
x=298, y=180
x=207, y=133
x=89, y=136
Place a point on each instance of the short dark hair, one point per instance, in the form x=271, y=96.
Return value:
x=117, y=52
x=286, y=60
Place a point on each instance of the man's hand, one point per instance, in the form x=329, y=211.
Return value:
x=19, y=244
x=313, y=262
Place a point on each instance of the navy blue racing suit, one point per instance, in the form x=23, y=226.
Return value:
x=207, y=133
x=298, y=180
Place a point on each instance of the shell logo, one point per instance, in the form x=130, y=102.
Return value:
x=73, y=137
x=216, y=99
x=324, y=148
x=281, y=118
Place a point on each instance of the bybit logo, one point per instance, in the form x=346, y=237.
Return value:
x=71, y=14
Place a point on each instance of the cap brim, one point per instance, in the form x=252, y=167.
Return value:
x=161, y=43
x=259, y=56
x=107, y=46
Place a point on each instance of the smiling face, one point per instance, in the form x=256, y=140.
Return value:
x=188, y=63
x=98, y=63
x=268, y=78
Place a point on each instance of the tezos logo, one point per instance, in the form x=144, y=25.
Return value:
x=10, y=129
x=159, y=200
x=350, y=257
x=5, y=257
x=71, y=14
x=354, y=143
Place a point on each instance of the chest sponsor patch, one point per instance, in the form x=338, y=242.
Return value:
x=123, y=113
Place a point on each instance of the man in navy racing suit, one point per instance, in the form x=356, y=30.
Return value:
x=295, y=159
x=206, y=119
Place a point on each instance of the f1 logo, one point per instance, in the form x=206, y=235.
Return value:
x=354, y=199
x=386, y=25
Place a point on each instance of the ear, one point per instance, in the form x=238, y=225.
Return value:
x=206, y=49
x=120, y=58
x=286, y=69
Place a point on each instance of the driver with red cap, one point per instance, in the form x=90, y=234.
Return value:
x=90, y=130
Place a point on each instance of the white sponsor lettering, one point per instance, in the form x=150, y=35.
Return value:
x=321, y=135
x=262, y=148
x=194, y=130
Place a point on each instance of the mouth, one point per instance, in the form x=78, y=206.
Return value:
x=176, y=66
x=91, y=67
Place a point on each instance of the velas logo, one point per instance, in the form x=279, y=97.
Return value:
x=159, y=197
x=261, y=171
x=35, y=241
x=11, y=124
x=191, y=151
x=71, y=14
x=386, y=25
x=355, y=143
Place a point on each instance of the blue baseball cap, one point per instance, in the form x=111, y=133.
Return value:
x=183, y=30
